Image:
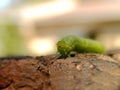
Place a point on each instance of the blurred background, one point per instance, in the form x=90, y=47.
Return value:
x=32, y=27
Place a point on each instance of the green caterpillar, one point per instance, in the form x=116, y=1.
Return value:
x=80, y=45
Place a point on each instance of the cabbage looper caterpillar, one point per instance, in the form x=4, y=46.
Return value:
x=80, y=45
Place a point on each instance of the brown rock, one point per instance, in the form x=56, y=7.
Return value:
x=82, y=72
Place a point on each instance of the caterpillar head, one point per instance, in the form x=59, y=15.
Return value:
x=63, y=48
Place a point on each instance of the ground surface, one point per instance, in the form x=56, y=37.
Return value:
x=81, y=72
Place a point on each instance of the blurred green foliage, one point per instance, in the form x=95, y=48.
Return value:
x=11, y=41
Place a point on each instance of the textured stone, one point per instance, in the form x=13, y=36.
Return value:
x=81, y=72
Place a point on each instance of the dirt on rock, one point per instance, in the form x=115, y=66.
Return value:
x=81, y=72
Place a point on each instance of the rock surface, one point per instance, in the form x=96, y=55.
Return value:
x=81, y=72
